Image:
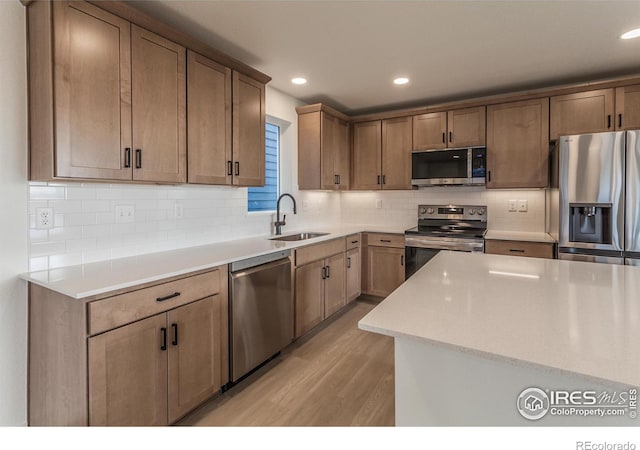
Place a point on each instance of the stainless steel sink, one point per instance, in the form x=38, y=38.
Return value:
x=298, y=236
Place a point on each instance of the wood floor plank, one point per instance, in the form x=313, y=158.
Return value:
x=336, y=375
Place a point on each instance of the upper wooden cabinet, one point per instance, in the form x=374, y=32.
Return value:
x=583, y=112
x=248, y=131
x=382, y=154
x=628, y=107
x=209, y=121
x=518, y=144
x=107, y=101
x=457, y=128
x=323, y=151
x=158, y=108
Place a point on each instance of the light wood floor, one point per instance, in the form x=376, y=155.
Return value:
x=337, y=375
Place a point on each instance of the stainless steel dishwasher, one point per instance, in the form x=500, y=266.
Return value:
x=260, y=306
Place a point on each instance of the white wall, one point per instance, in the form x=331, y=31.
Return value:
x=13, y=217
x=85, y=228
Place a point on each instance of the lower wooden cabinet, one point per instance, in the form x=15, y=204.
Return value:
x=354, y=284
x=520, y=248
x=383, y=263
x=320, y=291
x=143, y=357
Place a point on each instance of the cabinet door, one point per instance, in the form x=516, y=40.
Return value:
x=92, y=92
x=396, y=153
x=628, y=107
x=198, y=353
x=385, y=270
x=429, y=131
x=367, y=155
x=128, y=375
x=159, y=106
x=329, y=151
x=342, y=158
x=309, y=296
x=208, y=121
x=583, y=112
x=335, y=285
x=353, y=274
x=466, y=127
x=310, y=150
x=518, y=144
x=248, y=131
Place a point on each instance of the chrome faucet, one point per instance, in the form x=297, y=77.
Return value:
x=278, y=223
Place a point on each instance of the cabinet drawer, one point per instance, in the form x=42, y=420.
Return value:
x=121, y=309
x=519, y=248
x=353, y=241
x=385, y=240
x=315, y=252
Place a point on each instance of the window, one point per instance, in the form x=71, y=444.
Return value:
x=265, y=198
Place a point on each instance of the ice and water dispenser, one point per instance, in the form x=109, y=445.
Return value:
x=590, y=222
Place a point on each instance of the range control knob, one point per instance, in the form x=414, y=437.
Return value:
x=423, y=210
x=430, y=211
x=472, y=211
x=481, y=211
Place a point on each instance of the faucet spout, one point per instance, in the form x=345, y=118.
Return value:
x=280, y=223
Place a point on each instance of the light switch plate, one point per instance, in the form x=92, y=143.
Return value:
x=125, y=213
x=523, y=205
x=513, y=205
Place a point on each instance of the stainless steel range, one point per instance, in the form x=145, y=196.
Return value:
x=444, y=227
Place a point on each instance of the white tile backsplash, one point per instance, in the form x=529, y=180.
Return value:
x=85, y=228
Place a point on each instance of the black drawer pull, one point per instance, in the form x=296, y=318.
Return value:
x=402, y=260
x=168, y=297
x=349, y=262
x=174, y=328
x=229, y=168
x=378, y=179
x=384, y=179
x=450, y=136
x=127, y=157
x=443, y=138
x=163, y=331
x=608, y=121
x=237, y=168
x=516, y=250
x=619, y=120
x=385, y=240
x=354, y=242
x=489, y=176
x=139, y=158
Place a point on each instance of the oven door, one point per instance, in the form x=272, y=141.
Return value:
x=415, y=258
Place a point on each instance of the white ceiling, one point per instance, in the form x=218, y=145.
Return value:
x=350, y=51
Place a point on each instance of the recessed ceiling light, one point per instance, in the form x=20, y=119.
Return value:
x=400, y=81
x=299, y=80
x=631, y=34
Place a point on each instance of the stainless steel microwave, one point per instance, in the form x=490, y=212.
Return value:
x=451, y=166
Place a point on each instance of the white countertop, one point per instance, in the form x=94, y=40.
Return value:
x=527, y=236
x=88, y=280
x=579, y=317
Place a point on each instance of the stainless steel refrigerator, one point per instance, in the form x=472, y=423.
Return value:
x=598, y=199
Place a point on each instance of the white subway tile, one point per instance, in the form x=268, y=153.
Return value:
x=68, y=259
x=38, y=235
x=90, y=256
x=46, y=193
x=64, y=233
x=79, y=219
x=76, y=193
x=47, y=248
x=110, y=194
x=96, y=230
x=94, y=206
x=105, y=217
x=78, y=245
x=65, y=206
x=39, y=263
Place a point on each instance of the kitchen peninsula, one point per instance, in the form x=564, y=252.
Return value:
x=473, y=331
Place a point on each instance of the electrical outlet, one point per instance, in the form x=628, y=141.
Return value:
x=44, y=218
x=177, y=210
x=125, y=213
x=513, y=205
x=523, y=205
x=378, y=203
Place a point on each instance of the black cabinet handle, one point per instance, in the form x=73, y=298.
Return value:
x=237, y=168
x=619, y=120
x=444, y=139
x=349, y=262
x=489, y=176
x=450, y=136
x=384, y=179
x=127, y=157
x=608, y=121
x=354, y=242
x=163, y=332
x=174, y=328
x=402, y=260
x=324, y=272
x=378, y=179
x=138, y=158
x=328, y=271
x=229, y=168
x=338, y=179
x=335, y=179
x=385, y=240
x=516, y=250
x=168, y=297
